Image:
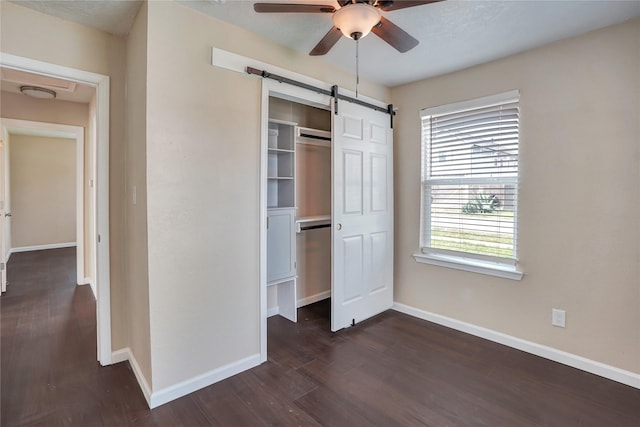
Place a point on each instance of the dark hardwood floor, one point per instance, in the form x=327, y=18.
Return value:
x=392, y=370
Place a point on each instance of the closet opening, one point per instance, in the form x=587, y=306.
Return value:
x=326, y=209
x=298, y=193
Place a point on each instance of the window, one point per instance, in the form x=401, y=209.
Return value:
x=470, y=182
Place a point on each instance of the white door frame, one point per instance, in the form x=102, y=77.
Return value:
x=295, y=94
x=101, y=184
x=53, y=130
x=3, y=209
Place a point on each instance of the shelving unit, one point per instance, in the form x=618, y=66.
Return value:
x=281, y=202
x=281, y=165
x=282, y=207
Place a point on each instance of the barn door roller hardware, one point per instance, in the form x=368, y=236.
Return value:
x=333, y=92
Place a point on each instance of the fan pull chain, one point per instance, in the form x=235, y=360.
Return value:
x=357, y=65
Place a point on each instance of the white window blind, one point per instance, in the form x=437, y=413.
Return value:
x=470, y=178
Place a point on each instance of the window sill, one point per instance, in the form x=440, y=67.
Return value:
x=466, y=264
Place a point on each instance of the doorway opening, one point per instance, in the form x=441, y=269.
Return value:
x=350, y=198
x=298, y=206
x=42, y=188
x=97, y=145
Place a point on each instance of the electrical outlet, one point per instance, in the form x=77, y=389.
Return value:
x=558, y=317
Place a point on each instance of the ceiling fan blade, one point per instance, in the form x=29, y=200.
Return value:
x=292, y=8
x=388, y=6
x=327, y=42
x=394, y=35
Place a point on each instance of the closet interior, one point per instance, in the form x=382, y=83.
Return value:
x=298, y=206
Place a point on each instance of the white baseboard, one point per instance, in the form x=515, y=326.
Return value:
x=41, y=247
x=302, y=302
x=121, y=355
x=189, y=386
x=607, y=371
x=313, y=298
x=126, y=354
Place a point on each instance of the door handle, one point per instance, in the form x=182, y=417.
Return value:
x=338, y=227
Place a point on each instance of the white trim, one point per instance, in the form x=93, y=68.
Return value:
x=313, y=298
x=121, y=355
x=262, y=280
x=238, y=63
x=80, y=202
x=194, y=384
x=125, y=354
x=42, y=247
x=273, y=311
x=607, y=371
x=87, y=281
x=54, y=130
x=505, y=271
x=469, y=104
x=101, y=254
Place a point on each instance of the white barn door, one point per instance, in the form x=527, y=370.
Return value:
x=362, y=215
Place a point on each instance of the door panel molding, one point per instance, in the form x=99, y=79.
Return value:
x=362, y=274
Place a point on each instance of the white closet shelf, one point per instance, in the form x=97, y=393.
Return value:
x=307, y=222
x=279, y=177
x=281, y=150
x=309, y=136
x=277, y=282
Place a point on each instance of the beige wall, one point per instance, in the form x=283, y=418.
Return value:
x=43, y=190
x=579, y=235
x=34, y=35
x=21, y=107
x=203, y=161
x=136, y=260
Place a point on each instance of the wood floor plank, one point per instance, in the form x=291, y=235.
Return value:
x=267, y=404
x=329, y=409
x=392, y=370
x=223, y=408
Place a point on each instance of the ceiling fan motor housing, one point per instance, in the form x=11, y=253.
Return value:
x=356, y=20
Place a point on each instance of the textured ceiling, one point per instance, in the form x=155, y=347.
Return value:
x=111, y=16
x=453, y=34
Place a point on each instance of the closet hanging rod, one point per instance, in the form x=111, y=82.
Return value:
x=313, y=227
x=321, y=138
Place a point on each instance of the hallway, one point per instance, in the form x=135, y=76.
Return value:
x=50, y=375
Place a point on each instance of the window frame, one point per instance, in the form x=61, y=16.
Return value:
x=467, y=261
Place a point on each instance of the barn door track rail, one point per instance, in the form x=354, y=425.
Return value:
x=333, y=92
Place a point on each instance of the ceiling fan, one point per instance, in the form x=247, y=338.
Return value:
x=354, y=19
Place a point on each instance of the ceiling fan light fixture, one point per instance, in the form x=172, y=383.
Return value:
x=38, y=92
x=356, y=20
